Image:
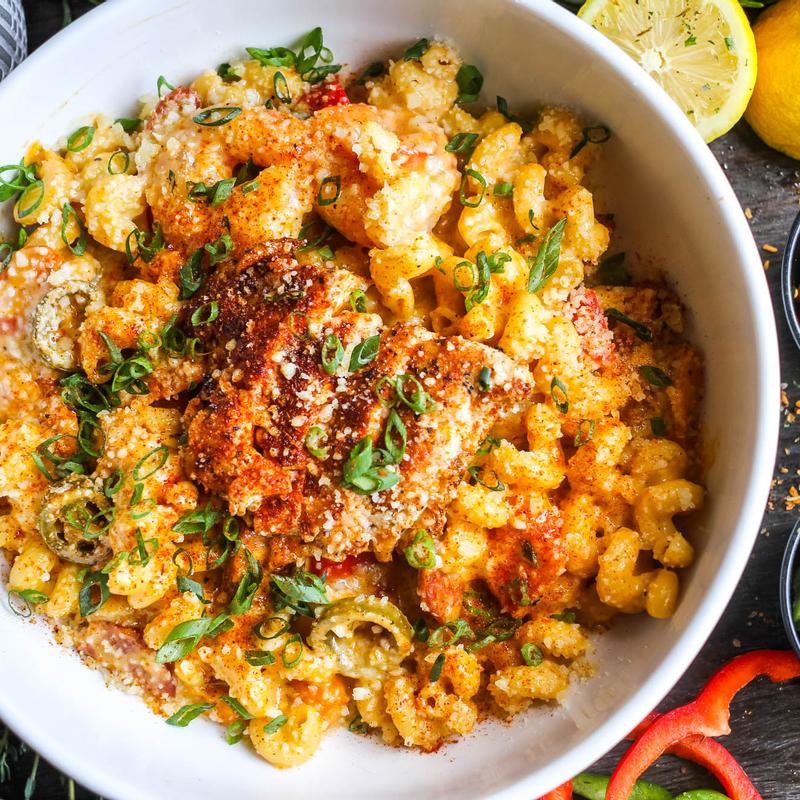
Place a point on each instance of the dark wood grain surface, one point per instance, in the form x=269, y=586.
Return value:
x=766, y=719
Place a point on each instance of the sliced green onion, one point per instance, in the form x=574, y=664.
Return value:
x=260, y=630
x=502, y=107
x=458, y=629
x=421, y=632
x=374, y=70
x=205, y=314
x=220, y=250
x=305, y=331
x=596, y=134
x=213, y=117
x=471, y=173
x=417, y=50
x=363, y=474
x=487, y=445
x=419, y=401
x=158, y=456
x=191, y=275
x=612, y=272
x=259, y=658
x=529, y=553
x=476, y=472
x=161, y=84
x=358, y=301
x=470, y=83
x=79, y=248
x=80, y=139
x=642, y=331
x=144, y=249
x=227, y=74
x=485, y=379
x=87, y=603
x=293, y=658
x=186, y=584
x=364, y=352
x=655, y=375
x=281, y=88
x=129, y=125
x=545, y=264
x=314, y=436
x=421, y=553
x=357, y=725
x=518, y=591
x=275, y=724
x=184, y=715
x=20, y=601
x=463, y=143
x=185, y=636
x=436, y=669
x=558, y=391
x=658, y=426
x=329, y=190
x=331, y=354
x=34, y=193
x=273, y=56
x=531, y=654
x=142, y=556
x=248, y=585
x=503, y=189
x=126, y=161
x=458, y=276
x=113, y=483
x=395, y=427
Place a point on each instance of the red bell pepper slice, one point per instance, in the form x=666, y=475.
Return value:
x=707, y=715
x=711, y=755
x=563, y=792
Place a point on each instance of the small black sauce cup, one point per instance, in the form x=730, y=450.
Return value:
x=788, y=582
x=790, y=287
x=790, y=280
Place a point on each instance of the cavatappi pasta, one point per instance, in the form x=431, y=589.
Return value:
x=325, y=406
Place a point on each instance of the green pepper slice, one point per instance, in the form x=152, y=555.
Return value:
x=348, y=628
x=74, y=521
x=57, y=319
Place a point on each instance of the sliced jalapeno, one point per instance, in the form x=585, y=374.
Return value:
x=75, y=519
x=347, y=627
x=57, y=319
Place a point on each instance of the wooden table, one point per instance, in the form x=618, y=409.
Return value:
x=766, y=720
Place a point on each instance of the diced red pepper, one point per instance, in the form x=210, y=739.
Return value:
x=563, y=792
x=338, y=569
x=707, y=715
x=328, y=93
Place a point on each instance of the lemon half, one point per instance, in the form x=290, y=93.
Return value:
x=702, y=52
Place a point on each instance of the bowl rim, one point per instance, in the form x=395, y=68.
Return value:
x=102, y=779
x=789, y=265
x=789, y=565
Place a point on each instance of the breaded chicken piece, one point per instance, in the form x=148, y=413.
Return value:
x=247, y=430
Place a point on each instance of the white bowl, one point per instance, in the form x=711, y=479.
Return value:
x=673, y=207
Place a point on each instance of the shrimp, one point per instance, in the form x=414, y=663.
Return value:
x=372, y=175
x=394, y=181
x=175, y=157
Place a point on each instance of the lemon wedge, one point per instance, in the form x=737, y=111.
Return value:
x=702, y=52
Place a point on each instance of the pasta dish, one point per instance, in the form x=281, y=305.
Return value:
x=323, y=404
